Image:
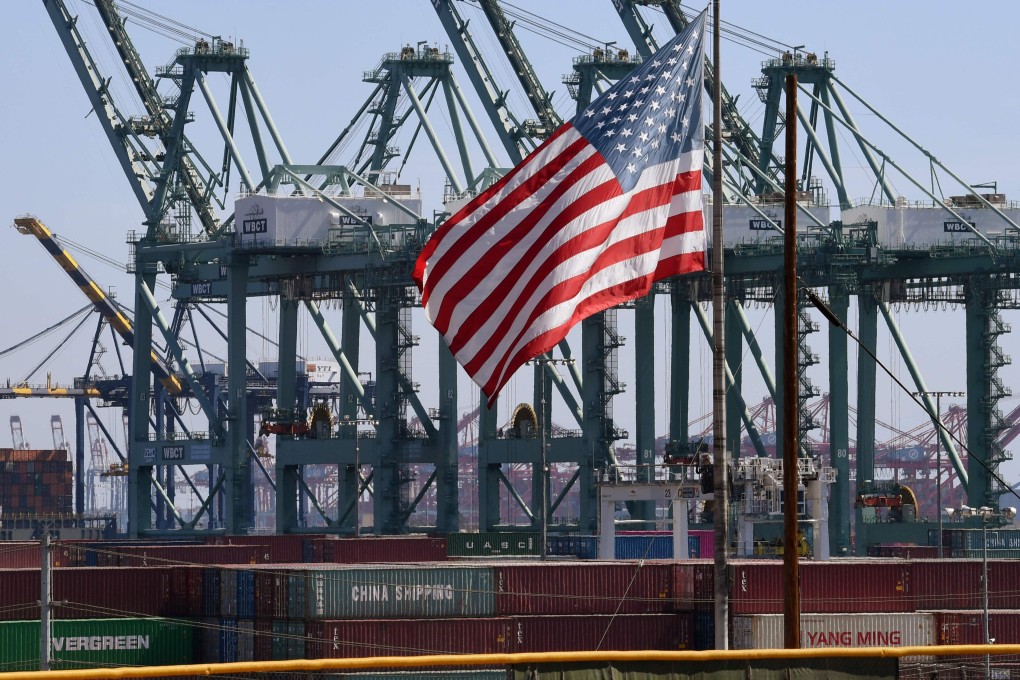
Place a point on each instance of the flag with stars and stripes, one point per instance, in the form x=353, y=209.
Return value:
x=610, y=203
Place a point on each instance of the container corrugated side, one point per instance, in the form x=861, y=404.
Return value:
x=79, y=643
x=693, y=585
x=407, y=637
x=269, y=549
x=161, y=555
x=583, y=547
x=602, y=632
x=583, y=588
x=187, y=585
x=849, y=586
x=1003, y=580
x=872, y=629
x=419, y=591
x=20, y=555
x=644, y=547
x=967, y=627
x=756, y=587
x=19, y=594
x=112, y=591
x=946, y=584
x=289, y=639
x=237, y=593
x=493, y=544
x=396, y=549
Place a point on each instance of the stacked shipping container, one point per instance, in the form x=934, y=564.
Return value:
x=245, y=608
x=35, y=482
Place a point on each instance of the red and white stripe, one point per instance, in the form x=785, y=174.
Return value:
x=554, y=241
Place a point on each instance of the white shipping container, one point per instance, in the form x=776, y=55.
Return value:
x=765, y=631
x=743, y=224
x=269, y=221
x=323, y=371
x=924, y=227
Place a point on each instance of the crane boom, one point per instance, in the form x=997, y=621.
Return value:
x=120, y=323
x=540, y=100
x=493, y=100
x=159, y=121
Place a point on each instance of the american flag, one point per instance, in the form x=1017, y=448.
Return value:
x=610, y=203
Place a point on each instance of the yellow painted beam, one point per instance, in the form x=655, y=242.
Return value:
x=490, y=660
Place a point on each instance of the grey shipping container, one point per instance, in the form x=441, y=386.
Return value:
x=415, y=591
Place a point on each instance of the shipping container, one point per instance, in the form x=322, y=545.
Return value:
x=187, y=586
x=113, y=591
x=370, y=549
x=419, y=591
x=407, y=637
x=583, y=587
x=848, y=586
x=19, y=555
x=583, y=547
x=872, y=629
x=703, y=630
x=297, y=588
x=493, y=544
x=85, y=643
x=946, y=584
x=237, y=593
x=1003, y=577
x=289, y=639
x=647, y=547
x=166, y=555
x=967, y=627
x=665, y=632
x=270, y=548
x=693, y=585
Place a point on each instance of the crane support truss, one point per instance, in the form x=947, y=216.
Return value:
x=369, y=277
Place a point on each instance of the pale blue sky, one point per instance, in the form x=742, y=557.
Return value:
x=947, y=78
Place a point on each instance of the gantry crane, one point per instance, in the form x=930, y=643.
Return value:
x=847, y=260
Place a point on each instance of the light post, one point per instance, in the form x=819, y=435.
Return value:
x=985, y=513
x=544, y=361
x=937, y=421
x=357, y=466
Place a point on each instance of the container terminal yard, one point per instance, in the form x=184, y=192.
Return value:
x=275, y=457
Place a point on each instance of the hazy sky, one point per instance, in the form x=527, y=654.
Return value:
x=947, y=79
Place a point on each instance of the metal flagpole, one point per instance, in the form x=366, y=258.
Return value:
x=720, y=504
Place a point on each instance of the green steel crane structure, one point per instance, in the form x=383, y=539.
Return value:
x=366, y=268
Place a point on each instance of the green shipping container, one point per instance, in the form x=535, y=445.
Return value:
x=493, y=544
x=103, y=643
x=412, y=592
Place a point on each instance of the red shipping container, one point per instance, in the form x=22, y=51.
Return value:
x=602, y=633
x=19, y=594
x=946, y=584
x=186, y=585
x=406, y=637
x=366, y=550
x=274, y=548
x=960, y=627
x=1003, y=584
x=583, y=588
x=756, y=587
x=693, y=585
x=89, y=592
x=850, y=586
x=263, y=642
x=160, y=555
x=20, y=555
